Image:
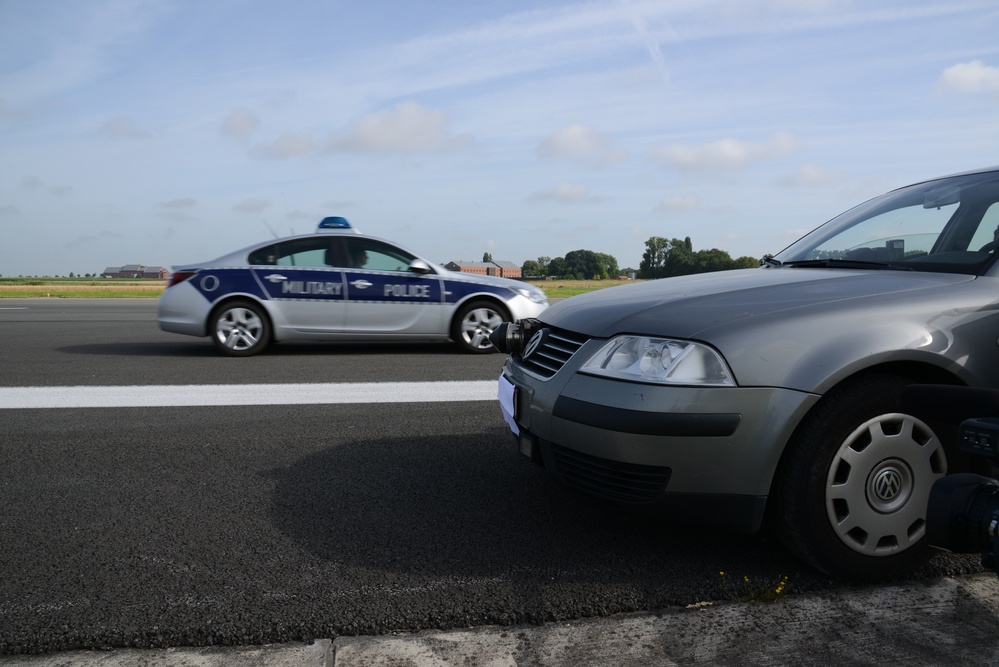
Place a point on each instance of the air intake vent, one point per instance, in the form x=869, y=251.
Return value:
x=610, y=480
x=556, y=348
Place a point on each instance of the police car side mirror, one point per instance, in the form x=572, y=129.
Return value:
x=419, y=266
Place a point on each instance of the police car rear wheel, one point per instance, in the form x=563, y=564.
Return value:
x=473, y=324
x=240, y=329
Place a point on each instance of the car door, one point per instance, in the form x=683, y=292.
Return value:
x=384, y=296
x=306, y=291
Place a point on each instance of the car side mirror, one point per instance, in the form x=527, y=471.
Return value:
x=419, y=266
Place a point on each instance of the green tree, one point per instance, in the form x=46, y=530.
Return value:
x=609, y=265
x=531, y=268
x=680, y=259
x=487, y=257
x=654, y=258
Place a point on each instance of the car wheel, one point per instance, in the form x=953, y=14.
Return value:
x=473, y=324
x=240, y=329
x=855, y=483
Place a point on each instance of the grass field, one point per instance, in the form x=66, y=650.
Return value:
x=563, y=289
x=90, y=288
x=80, y=288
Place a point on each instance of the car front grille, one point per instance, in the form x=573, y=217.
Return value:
x=556, y=348
x=610, y=480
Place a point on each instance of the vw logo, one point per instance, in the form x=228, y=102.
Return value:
x=888, y=485
x=533, y=344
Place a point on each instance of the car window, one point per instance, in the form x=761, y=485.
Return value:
x=309, y=252
x=890, y=236
x=987, y=230
x=377, y=256
x=945, y=225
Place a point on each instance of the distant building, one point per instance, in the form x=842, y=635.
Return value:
x=500, y=269
x=136, y=271
x=158, y=272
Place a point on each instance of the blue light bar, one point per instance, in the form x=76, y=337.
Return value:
x=334, y=222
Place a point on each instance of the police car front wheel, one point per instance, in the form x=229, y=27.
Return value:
x=473, y=324
x=240, y=328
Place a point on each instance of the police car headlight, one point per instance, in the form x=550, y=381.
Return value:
x=660, y=361
x=535, y=294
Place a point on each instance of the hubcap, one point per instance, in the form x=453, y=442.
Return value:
x=477, y=326
x=239, y=329
x=879, y=483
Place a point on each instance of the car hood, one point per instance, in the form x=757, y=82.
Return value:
x=479, y=279
x=686, y=306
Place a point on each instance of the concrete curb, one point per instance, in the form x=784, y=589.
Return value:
x=943, y=621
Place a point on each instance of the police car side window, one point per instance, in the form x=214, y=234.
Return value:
x=263, y=256
x=375, y=256
x=300, y=252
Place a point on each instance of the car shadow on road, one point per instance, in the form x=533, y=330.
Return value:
x=468, y=505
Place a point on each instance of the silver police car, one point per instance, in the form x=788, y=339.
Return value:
x=736, y=396
x=337, y=284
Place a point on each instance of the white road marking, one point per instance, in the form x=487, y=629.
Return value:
x=164, y=396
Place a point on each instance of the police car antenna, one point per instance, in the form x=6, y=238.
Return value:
x=273, y=233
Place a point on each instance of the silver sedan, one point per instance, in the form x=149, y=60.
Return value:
x=734, y=397
x=337, y=284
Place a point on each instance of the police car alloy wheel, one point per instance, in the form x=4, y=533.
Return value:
x=473, y=324
x=240, y=328
x=855, y=482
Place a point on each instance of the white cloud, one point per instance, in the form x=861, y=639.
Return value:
x=31, y=183
x=251, y=205
x=971, y=77
x=582, y=144
x=286, y=146
x=724, y=154
x=407, y=128
x=810, y=175
x=564, y=193
x=240, y=124
x=181, y=203
x=677, y=204
x=122, y=128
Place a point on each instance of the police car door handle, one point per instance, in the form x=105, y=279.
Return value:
x=275, y=277
x=361, y=284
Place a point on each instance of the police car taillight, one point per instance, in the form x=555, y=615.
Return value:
x=179, y=276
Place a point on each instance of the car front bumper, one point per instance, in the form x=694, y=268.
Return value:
x=705, y=453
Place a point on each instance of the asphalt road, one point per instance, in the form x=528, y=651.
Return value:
x=227, y=525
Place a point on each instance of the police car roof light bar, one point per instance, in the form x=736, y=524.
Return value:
x=334, y=223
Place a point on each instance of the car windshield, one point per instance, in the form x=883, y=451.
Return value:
x=949, y=225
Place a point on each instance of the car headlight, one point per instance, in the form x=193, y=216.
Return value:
x=660, y=361
x=535, y=294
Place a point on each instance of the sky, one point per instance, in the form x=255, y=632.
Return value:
x=165, y=132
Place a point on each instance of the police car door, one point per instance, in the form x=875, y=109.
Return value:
x=306, y=291
x=385, y=297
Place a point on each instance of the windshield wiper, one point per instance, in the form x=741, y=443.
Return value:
x=831, y=263
x=770, y=261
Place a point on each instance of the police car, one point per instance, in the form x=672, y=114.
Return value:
x=338, y=284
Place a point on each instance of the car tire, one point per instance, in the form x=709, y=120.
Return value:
x=473, y=323
x=240, y=328
x=855, y=480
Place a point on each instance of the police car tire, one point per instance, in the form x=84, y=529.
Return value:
x=249, y=328
x=474, y=311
